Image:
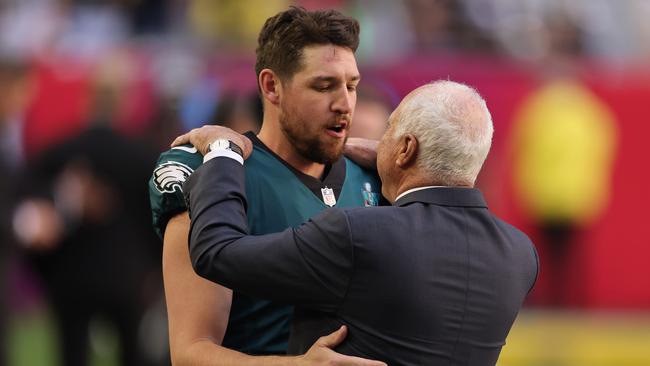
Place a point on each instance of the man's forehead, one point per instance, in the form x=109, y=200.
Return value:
x=329, y=61
x=328, y=52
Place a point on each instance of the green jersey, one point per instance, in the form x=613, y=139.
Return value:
x=278, y=197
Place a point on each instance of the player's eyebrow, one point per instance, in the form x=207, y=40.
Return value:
x=333, y=79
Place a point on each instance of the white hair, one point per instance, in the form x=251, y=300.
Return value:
x=453, y=127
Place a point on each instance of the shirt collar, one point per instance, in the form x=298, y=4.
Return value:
x=414, y=190
x=444, y=196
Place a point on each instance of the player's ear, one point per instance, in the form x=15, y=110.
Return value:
x=269, y=86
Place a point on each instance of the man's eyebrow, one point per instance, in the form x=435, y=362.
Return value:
x=332, y=79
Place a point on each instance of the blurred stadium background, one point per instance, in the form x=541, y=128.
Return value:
x=567, y=81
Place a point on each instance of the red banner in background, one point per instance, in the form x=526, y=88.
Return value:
x=617, y=248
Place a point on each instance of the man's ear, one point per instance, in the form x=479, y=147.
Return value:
x=270, y=86
x=408, y=151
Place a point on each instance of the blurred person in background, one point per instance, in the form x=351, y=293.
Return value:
x=233, y=24
x=442, y=25
x=368, y=126
x=388, y=33
x=371, y=113
x=240, y=112
x=15, y=92
x=165, y=124
x=564, y=140
x=307, y=77
x=84, y=223
x=612, y=30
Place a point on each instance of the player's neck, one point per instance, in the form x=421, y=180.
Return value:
x=275, y=140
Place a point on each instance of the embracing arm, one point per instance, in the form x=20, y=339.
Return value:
x=308, y=266
x=198, y=310
x=362, y=151
x=198, y=314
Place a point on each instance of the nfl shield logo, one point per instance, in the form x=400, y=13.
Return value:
x=328, y=196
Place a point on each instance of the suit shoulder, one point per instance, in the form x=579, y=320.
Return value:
x=365, y=215
x=516, y=233
x=524, y=245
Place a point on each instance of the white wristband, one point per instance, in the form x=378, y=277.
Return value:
x=223, y=152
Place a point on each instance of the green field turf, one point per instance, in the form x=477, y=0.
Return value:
x=33, y=342
x=539, y=338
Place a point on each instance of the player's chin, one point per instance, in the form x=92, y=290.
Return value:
x=333, y=152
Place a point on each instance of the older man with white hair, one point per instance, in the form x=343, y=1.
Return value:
x=434, y=279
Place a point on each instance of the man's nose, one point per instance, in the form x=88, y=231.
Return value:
x=344, y=103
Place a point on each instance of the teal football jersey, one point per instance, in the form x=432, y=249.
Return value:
x=278, y=198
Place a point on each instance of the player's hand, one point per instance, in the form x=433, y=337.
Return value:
x=321, y=353
x=362, y=151
x=202, y=137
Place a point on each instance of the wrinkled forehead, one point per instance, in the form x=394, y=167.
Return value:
x=329, y=61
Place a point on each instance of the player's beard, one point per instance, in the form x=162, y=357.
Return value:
x=311, y=145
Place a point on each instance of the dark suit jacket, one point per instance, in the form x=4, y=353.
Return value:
x=435, y=279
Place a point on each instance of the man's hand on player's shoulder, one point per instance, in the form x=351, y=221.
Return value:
x=202, y=137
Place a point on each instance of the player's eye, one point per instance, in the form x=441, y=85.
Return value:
x=322, y=88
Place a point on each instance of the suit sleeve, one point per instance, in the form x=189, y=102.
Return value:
x=308, y=266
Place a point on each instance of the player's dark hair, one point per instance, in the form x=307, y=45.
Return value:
x=284, y=36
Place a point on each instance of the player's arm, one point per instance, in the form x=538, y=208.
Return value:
x=198, y=314
x=198, y=310
x=362, y=151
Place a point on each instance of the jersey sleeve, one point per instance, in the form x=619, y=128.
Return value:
x=173, y=168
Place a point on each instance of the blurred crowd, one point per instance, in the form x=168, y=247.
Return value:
x=518, y=28
x=92, y=90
